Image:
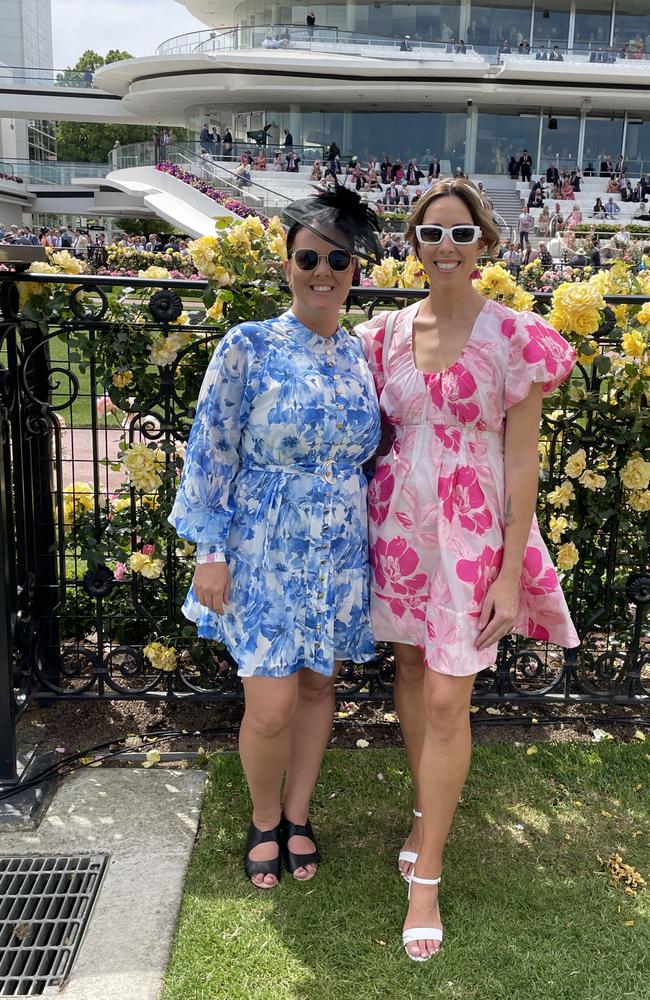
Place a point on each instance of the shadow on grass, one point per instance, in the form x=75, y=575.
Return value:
x=528, y=911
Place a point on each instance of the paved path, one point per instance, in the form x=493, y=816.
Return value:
x=146, y=820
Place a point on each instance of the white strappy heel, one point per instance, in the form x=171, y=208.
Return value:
x=410, y=856
x=421, y=933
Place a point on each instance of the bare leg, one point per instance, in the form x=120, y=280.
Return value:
x=264, y=746
x=408, y=694
x=444, y=764
x=310, y=733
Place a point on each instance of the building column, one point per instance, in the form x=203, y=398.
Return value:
x=465, y=17
x=581, y=139
x=471, y=132
x=295, y=123
x=350, y=16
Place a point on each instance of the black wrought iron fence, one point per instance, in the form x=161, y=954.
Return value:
x=94, y=578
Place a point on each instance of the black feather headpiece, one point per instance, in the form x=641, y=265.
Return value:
x=342, y=210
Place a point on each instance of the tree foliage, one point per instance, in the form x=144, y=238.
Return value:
x=90, y=142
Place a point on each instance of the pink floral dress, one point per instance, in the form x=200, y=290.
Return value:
x=436, y=502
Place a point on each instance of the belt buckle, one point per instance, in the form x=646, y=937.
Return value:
x=328, y=474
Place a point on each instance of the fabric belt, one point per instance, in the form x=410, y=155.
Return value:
x=329, y=470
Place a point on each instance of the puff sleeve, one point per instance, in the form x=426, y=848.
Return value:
x=204, y=505
x=537, y=353
x=371, y=334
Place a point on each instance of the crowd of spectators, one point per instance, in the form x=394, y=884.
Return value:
x=89, y=245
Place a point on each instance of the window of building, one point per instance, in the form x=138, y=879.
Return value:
x=501, y=136
x=491, y=24
x=551, y=23
x=560, y=145
x=603, y=140
x=592, y=24
x=632, y=27
x=637, y=146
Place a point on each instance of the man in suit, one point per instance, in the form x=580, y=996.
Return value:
x=541, y=55
x=556, y=55
x=525, y=165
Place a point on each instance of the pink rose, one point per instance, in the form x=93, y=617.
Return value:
x=120, y=571
x=105, y=405
x=148, y=550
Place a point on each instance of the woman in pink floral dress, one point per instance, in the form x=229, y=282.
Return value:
x=457, y=557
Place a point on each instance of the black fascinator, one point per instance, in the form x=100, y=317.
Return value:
x=342, y=210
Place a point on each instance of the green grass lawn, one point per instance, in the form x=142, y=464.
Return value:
x=529, y=911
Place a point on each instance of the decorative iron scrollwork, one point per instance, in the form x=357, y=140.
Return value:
x=165, y=306
x=99, y=582
x=637, y=589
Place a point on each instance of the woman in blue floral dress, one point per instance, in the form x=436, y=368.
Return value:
x=274, y=496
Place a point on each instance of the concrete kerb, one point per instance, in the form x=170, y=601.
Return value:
x=146, y=821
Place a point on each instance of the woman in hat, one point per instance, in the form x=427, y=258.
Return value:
x=274, y=496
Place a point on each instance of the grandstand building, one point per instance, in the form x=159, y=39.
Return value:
x=469, y=81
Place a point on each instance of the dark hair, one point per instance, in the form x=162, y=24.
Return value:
x=341, y=210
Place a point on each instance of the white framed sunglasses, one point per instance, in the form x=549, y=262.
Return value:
x=461, y=235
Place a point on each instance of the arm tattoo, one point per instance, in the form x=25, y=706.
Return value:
x=509, y=518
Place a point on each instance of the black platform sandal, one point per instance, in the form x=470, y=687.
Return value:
x=294, y=861
x=272, y=867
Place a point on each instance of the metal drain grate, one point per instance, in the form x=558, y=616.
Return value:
x=45, y=903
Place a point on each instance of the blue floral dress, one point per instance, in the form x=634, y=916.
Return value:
x=273, y=479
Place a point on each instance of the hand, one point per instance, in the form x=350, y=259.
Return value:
x=499, y=612
x=212, y=585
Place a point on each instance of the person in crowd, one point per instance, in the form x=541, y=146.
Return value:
x=227, y=144
x=575, y=217
x=504, y=48
x=243, y=172
x=434, y=169
x=525, y=226
x=461, y=48
x=81, y=243
x=612, y=185
x=543, y=222
x=373, y=183
x=541, y=55
x=545, y=257
x=556, y=221
x=293, y=162
x=590, y=170
x=641, y=213
x=413, y=173
x=458, y=376
x=524, y=47
x=525, y=165
x=205, y=139
x=598, y=211
x=405, y=45
x=391, y=194
x=513, y=168
x=288, y=140
x=216, y=143
x=403, y=193
x=606, y=167
x=386, y=170
x=398, y=171
x=316, y=173
x=277, y=164
x=576, y=180
x=310, y=21
x=555, y=55
x=594, y=252
x=568, y=194
x=611, y=208
x=273, y=478
x=552, y=175
x=512, y=257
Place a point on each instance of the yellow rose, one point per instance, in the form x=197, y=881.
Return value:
x=120, y=504
x=591, y=480
x=254, y=226
x=215, y=311
x=137, y=561
x=635, y=475
x=643, y=315
x=576, y=308
x=621, y=313
x=567, y=556
x=633, y=344
x=562, y=495
x=122, y=379
x=385, y=275
x=576, y=464
x=162, y=352
x=640, y=501
x=154, y=272
x=556, y=528
x=153, y=569
x=65, y=262
x=160, y=656
x=183, y=320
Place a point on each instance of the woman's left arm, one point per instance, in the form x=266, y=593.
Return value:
x=501, y=602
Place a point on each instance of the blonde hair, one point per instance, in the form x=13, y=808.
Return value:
x=470, y=195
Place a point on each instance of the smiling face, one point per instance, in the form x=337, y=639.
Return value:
x=447, y=264
x=319, y=294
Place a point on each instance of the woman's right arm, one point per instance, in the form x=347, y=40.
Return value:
x=204, y=504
